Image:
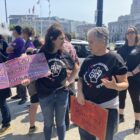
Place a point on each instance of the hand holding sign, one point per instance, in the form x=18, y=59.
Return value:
x=25, y=82
x=23, y=69
x=90, y=117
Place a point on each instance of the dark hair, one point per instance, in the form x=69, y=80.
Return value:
x=136, y=32
x=68, y=36
x=36, y=42
x=53, y=32
x=28, y=31
x=18, y=29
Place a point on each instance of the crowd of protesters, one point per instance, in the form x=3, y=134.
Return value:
x=104, y=78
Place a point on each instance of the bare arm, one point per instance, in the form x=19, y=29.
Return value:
x=122, y=83
x=9, y=49
x=135, y=71
x=80, y=95
x=30, y=49
x=73, y=74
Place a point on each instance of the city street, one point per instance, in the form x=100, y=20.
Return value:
x=20, y=125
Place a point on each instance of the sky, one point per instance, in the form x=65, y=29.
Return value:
x=81, y=10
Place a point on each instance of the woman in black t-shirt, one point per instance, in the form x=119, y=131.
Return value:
x=98, y=75
x=131, y=55
x=52, y=90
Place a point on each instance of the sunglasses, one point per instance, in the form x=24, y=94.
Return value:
x=131, y=32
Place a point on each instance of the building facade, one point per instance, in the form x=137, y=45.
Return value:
x=83, y=29
x=76, y=28
x=117, y=29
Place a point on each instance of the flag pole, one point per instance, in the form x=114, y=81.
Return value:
x=6, y=11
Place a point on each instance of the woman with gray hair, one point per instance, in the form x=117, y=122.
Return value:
x=101, y=76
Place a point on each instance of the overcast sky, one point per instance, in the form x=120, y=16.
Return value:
x=83, y=10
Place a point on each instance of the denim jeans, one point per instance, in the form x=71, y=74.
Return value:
x=112, y=125
x=54, y=105
x=6, y=117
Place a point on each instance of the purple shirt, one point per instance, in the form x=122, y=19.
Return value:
x=18, y=45
x=28, y=44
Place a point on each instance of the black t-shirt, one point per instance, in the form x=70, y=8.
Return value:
x=3, y=47
x=93, y=69
x=58, y=64
x=124, y=51
x=131, y=56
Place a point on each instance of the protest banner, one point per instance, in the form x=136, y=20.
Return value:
x=18, y=69
x=4, y=81
x=90, y=117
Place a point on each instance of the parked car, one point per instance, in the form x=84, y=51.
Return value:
x=82, y=50
x=119, y=44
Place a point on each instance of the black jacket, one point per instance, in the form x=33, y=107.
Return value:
x=5, y=93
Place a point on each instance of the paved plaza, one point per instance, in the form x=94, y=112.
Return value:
x=20, y=125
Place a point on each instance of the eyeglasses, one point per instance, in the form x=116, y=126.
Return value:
x=131, y=32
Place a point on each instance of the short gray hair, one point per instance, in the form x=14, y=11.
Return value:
x=101, y=33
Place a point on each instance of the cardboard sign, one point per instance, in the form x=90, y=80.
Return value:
x=89, y=117
x=14, y=71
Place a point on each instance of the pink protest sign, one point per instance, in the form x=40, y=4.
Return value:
x=30, y=66
x=4, y=81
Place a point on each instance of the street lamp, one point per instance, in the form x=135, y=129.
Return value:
x=99, y=13
x=6, y=11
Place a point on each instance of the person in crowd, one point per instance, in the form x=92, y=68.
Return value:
x=3, y=46
x=29, y=49
x=101, y=76
x=14, y=51
x=52, y=90
x=38, y=42
x=69, y=48
x=27, y=34
x=4, y=94
x=131, y=55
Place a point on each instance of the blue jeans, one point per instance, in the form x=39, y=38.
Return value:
x=112, y=125
x=54, y=105
x=6, y=117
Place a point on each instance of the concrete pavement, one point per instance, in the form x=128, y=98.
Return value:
x=20, y=125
